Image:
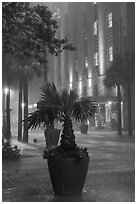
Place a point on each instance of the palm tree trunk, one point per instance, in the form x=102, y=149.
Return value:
x=20, y=111
x=8, y=132
x=25, y=134
x=119, y=111
x=67, y=137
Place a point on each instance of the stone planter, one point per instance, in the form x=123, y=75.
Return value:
x=67, y=175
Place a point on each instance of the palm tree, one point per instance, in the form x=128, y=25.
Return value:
x=114, y=78
x=128, y=84
x=64, y=106
x=25, y=73
x=17, y=70
x=9, y=79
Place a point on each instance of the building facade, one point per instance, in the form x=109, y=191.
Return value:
x=98, y=31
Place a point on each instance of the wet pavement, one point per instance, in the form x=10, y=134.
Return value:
x=110, y=178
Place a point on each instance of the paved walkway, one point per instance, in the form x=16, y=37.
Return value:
x=110, y=176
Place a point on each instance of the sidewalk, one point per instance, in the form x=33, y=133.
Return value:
x=110, y=178
x=27, y=149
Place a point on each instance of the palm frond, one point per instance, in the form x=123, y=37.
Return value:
x=37, y=118
x=68, y=100
x=84, y=109
x=50, y=96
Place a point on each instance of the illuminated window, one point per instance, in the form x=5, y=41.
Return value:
x=110, y=20
x=110, y=54
x=96, y=59
x=95, y=28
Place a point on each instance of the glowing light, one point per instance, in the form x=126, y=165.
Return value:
x=6, y=90
x=96, y=60
x=23, y=104
x=30, y=106
x=80, y=86
x=35, y=105
x=70, y=85
x=101, y=53
x=110, y=20
x=110, y=53
x=88, y=123
x=89, y=82
x=109, y=102
x=54, y=14
x=86, y=64
x=70, y=79
x=95, y=28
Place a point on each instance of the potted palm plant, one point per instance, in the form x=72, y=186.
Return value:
x=84, y=127
x=67, y=163
x=51, y=133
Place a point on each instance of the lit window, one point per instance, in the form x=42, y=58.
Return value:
x=95, y=28
x=96, y=59
x=110, y=20
x=110, y=54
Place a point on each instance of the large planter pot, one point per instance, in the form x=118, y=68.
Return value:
x=67, y=175
x=51, y=137
x=84, y=128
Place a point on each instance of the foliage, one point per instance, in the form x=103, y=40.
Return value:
x=77, y=153
x=57, y=105
x=121, y=71
x=28, y=33
x=27, y=29
x=114, y=75
x=9, y=152
x=64, y=106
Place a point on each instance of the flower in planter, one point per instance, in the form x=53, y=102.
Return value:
x=64, y=106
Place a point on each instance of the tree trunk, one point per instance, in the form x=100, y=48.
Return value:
x=20, y=111
x=8, y=131
x=4, y=128
x=119, y=111
x=25, y=134
x=7, y=99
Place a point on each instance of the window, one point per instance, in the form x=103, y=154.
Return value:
x=95, y=28
x=110, y=54
x=110, y=20
x=96, y=59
